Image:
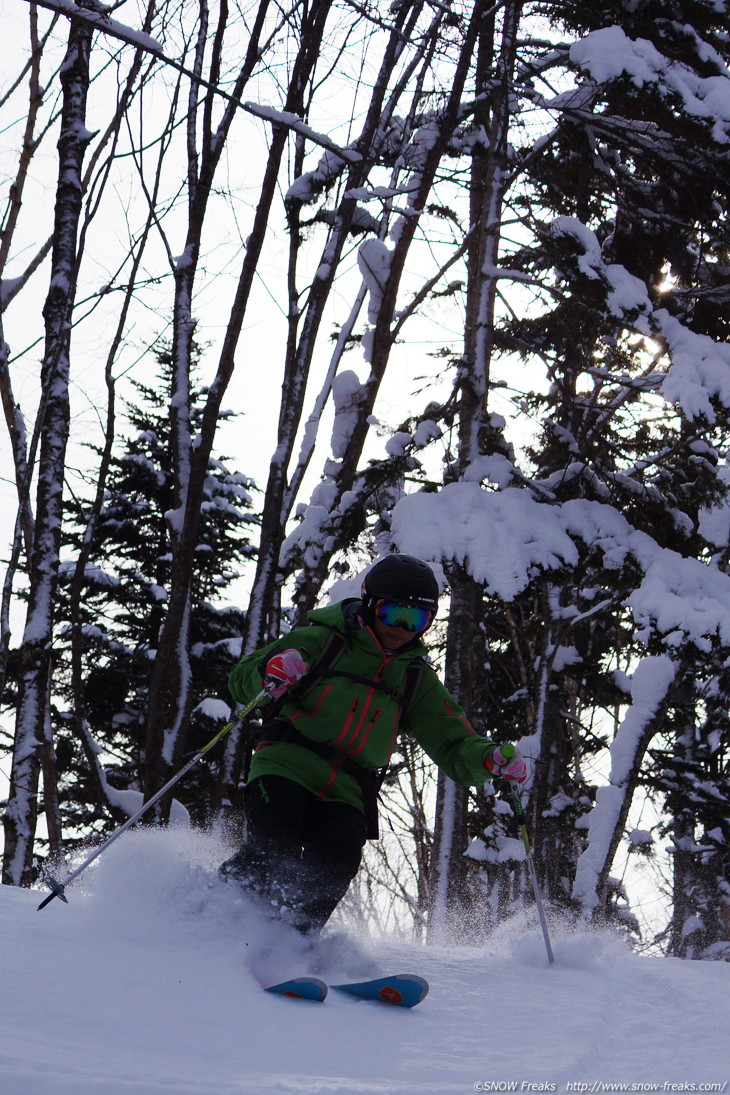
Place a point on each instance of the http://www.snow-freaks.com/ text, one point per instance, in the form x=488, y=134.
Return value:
x=597, y=1087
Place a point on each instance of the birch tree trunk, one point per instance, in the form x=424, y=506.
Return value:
x=278, y=499
x=387, y=321
x=169, y=687
x=14, y=420
x=466, y=653
x=35, y=653
x=447, y=873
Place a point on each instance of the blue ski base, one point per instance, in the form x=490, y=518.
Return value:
x=404, y=990
x=301, y=988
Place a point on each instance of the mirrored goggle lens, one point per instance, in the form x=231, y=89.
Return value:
x=410, y=617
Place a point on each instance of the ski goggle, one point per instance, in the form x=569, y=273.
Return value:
x=410, y=617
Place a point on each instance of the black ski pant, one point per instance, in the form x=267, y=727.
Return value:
x=301, y=852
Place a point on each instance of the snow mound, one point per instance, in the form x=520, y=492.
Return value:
x=147, y=982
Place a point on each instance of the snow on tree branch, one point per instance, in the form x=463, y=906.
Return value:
x=505, y=538
x=101, y=20
x=374, y=260
x=313, y=534
x=609, y=53
x=294, y=122
x=649, y=687
x=699, y=369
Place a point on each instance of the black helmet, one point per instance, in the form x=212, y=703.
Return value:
x=402, y=578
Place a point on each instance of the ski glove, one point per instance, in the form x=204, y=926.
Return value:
x=282, y=671
x=507, y=762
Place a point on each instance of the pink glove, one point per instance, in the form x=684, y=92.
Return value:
x=507, y=762
x=282, y=671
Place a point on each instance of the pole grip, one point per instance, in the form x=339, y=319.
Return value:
x=519, y=811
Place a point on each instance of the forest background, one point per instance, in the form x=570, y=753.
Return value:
x=284, y=286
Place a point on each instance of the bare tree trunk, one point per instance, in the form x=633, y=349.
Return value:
x=169, y=687
x=35, y=653
x=97, y=777
x=466, y=654
x=50, y=791
x=259, y=626
x=447, y=875
x=13, y=415
x=23, y=535
x=386, y=323
x=643, y=719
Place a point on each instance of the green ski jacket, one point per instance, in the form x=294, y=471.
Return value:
x=358, y=718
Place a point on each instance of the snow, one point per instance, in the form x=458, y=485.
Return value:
x=374, y=260
x=143, y=984
x=347, y=391
x=699, y=369
x=398, y=443
x=609, y=53
x=495, y=469
x=505, y=537
x=649, y=685
x=500, y=537
x=426, y=431
x=101, y=21
x=8, y=289
x=307, y=187
x=627, y=294
x=640, y=838
x=211, y=708
x=294, y=122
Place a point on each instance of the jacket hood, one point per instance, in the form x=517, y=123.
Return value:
x=338, y=615
x=344, y=617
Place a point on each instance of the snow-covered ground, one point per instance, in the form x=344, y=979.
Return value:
x=144, y=984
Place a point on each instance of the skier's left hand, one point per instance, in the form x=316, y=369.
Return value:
x=507, y=762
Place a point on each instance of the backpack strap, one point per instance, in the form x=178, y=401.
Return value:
x=369, y=779
x=411, y=680
x=333, y=649
x=392, y=692
x=336, y=645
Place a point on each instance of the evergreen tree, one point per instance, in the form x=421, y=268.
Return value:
x=646, y=173
x=124, y=606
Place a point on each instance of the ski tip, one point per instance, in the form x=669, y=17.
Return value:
x=403, y=990
x=300, y=988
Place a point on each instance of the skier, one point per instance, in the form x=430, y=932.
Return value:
x=343, y=687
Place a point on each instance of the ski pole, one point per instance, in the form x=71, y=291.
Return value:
x=518, y=811
x=58, y=888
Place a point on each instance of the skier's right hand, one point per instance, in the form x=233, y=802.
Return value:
x=282, y=671
x=507, y=762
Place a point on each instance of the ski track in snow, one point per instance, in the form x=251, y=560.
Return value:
x=146, y=983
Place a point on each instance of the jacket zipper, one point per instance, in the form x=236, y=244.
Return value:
x=348, y=722
x=348, y=745
x=366, y=735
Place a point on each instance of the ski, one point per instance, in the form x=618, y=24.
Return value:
x=403, y=990
x=300, y=988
